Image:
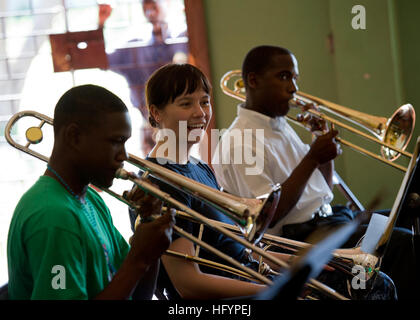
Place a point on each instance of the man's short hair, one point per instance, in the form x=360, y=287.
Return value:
x=259, y=59
x=85, y=105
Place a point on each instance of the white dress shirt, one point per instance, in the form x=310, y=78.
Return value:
x=276, y=151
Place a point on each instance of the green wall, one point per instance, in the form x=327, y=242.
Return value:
x=408, y=37
x=373, y=70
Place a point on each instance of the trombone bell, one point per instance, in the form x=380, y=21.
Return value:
x=399, y=130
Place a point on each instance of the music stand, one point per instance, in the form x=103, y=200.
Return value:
x=410, y=185
x=78, y=50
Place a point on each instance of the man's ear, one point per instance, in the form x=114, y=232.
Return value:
x=72, y=136
x=252, y=80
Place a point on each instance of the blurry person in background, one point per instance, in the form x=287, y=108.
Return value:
x=141, y=57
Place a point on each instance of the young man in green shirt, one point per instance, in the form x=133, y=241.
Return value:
x=62, y=243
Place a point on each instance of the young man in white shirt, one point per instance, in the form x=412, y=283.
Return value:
x=305, y=172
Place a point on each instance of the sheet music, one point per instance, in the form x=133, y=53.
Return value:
x=376, y=228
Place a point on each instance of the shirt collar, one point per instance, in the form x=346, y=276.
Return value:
x=276, y=124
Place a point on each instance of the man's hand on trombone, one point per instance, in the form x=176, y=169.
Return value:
x=325, y=147
x=316, y=125
x=153, y=234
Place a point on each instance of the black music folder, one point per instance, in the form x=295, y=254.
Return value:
x=308, y=265
x=410, y=185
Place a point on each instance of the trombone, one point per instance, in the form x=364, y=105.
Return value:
x=393, y=134
x=251, y=217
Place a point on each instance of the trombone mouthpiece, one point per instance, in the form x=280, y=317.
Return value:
x=121, y=174
x=293, y=103
x=296, y=102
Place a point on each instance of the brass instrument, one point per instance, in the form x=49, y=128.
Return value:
x=252, y=217
x=393, y=134
x=342, y=259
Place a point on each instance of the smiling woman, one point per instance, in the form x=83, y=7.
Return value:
x=178, y=98
x=188, y=116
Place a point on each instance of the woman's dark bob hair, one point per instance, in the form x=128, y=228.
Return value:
x=169, y=82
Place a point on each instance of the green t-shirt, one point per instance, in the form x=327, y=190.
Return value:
x=54, y=251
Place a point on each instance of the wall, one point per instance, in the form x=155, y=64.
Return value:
x=407, y=24
x=369, y=70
